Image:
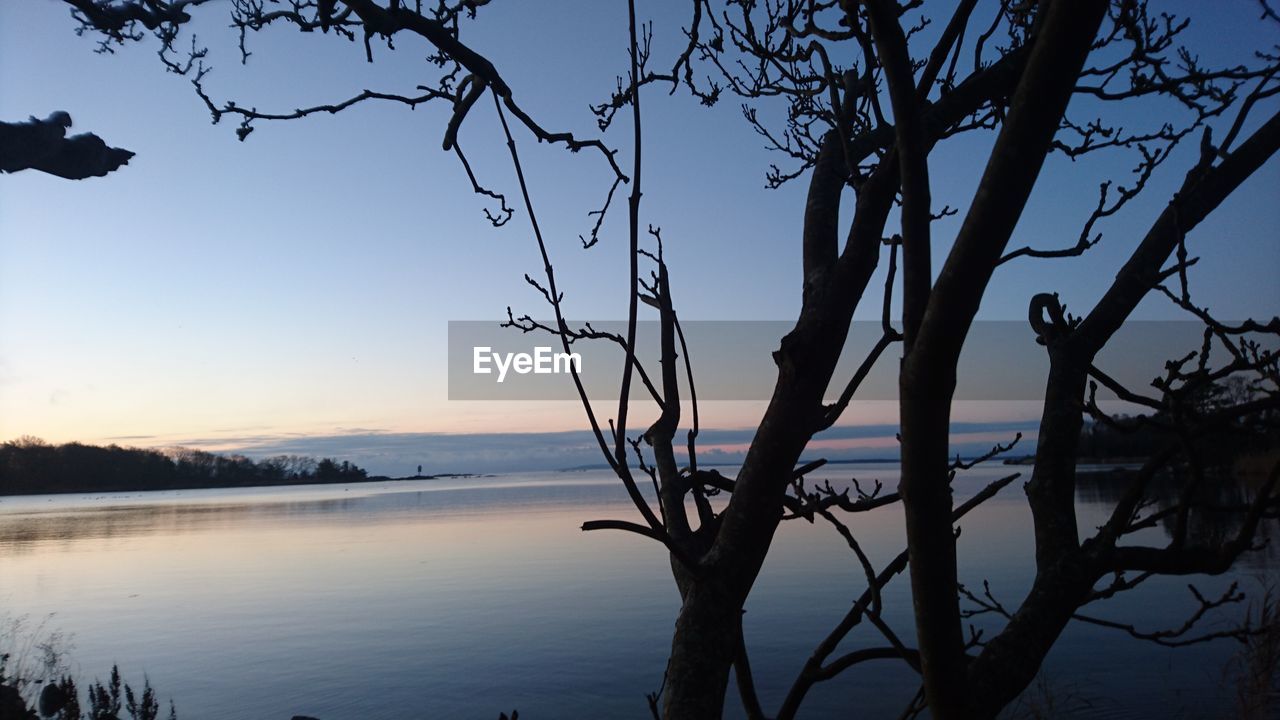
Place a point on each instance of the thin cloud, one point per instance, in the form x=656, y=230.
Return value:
x=397, y=453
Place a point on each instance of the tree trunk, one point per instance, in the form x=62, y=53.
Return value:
x=928, y=377
x=926, y=502
x=702, y=653
x=1052, y=489
x=705, y=641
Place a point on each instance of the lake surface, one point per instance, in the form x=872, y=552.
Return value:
x=462, y=598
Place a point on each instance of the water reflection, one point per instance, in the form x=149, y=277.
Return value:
x=1215, y=517
x=28, y=522
x=458, y=599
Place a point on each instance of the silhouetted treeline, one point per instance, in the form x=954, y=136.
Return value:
x=30, y=466
x=1139, y=437
x=1136, y=440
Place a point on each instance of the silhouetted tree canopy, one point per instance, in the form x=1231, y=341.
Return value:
x=43, y=145
x=1138, y=437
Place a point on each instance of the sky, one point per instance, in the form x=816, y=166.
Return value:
x=294, y=290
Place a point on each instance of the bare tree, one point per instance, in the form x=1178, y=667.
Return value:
x=866, y=101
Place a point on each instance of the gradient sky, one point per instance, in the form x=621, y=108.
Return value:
x=298, y=284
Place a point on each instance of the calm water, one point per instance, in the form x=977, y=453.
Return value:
x=463, y=598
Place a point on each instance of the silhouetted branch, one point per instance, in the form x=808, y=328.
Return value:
x=995, y=451
x=43, y=145
x=835, y=410
x=526, y=323
x=984, y=604
x=1178, y=636
x=816, y=669
x=504, y=212
x=746, y=682
x=624, y=525
x=617, y=461
x=693, y=397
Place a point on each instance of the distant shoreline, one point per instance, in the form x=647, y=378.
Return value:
x=440, y=476
x=1092, y=462
x=31, y=466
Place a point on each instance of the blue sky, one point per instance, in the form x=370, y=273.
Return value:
x=299, y=284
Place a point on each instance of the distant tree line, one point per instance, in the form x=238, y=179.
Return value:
x=31, y=466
